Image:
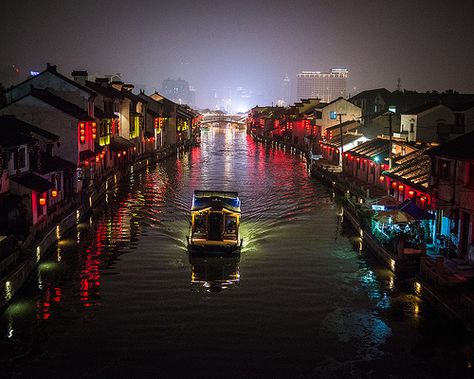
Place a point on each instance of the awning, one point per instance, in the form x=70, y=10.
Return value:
x=33, y=182
x=410, y=207
x=149, y=134
x=118, y=144
x=85, y=155
x=394, y=216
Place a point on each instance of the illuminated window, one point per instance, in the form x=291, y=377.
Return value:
x=443, y=168
x=333, y=115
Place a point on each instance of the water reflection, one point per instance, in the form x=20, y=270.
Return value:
x=214, y=273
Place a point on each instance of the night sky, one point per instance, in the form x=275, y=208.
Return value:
x=217, y=44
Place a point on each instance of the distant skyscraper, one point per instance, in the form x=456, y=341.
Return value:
x=286, y=89
x=178, y=91
x=326, y=86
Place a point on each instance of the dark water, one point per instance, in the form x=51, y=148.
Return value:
x=121, y=297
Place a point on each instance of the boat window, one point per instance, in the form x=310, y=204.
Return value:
x=230, y=224
x=200, y=224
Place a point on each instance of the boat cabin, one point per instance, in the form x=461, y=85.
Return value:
x=215, y=219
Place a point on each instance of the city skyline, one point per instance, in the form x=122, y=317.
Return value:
x=222, y=51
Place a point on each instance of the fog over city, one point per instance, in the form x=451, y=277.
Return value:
x=222, y=47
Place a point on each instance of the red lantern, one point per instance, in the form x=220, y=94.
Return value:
x=42, y=201
x=382, y=178
x=411, y=193
x=124, y=153
x=394, y=184
x=372, y=164
x=400, y=187
x=119, y=155
x=358, y=159
x=97, y=159
x=86, y=163
x=423, y=199
x=54, y=193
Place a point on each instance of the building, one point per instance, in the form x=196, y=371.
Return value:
x=452, y=189
x=178, y=90
x=326, y=86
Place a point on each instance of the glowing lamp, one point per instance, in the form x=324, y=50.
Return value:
x=94, y=136
x=42, y=201
x=382, y=178
x=394, y=184
x=54, y=193
x=372, y=164
x=365, y=160
x=358, y=159
x=83, y=139
x=97, y=159
x=119, y=155
x=83, y=132
x=346, y=154
x=423, y=199
x=411, y=193
x=124, y=153
x=337, y=151
x=134, y=149
x=400, y=187
x=86, y=163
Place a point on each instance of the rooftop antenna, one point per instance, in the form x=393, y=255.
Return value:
x=399, y=84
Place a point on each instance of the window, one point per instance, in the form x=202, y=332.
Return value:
x=19, y=159
x=459, y=119
x=412, y=127
x=443, y=168
x=200, y=225
x=230, y=225
x=333, y=115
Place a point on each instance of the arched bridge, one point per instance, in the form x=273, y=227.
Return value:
x=238, y=119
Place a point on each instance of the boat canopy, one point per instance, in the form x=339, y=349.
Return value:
x=217, y=200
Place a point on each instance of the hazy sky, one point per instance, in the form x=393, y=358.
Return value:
x=213, y=44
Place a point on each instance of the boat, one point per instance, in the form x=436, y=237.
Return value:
x=215, y=221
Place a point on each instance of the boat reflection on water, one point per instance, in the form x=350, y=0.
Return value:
x=214, y=273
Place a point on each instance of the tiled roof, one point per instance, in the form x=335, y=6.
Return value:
x=33, y=182
x=61, y=104
x=461, y=147
x=346, y=139
x=422, y=108
x=345, y=123
x=52, y=69
x=118, y=144
x=11, y=123
x=11, y=139
x=99, y=113
x=49, y=164
x=412, y=169
x=374, y=148
x=107, y=90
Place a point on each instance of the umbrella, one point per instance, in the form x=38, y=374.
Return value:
x=393, y=216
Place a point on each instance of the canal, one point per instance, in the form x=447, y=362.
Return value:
x=120, y=296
